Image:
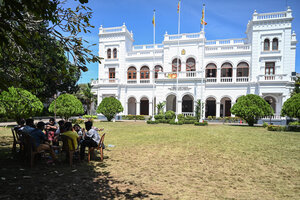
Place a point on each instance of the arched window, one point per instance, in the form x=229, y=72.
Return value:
x=226, y=70
x=190, y=64
x=275, y=44
x=115, y=53
x=157, y=69
x=131, y=73
x=242, y=70
x=109, y=53
x=211, y=71
x=267, y=45
x=174, y=65
x=145, y=72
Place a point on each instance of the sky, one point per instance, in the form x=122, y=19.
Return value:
x=226, y=19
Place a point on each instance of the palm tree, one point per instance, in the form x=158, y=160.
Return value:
x=85, y=95
x=160, y=107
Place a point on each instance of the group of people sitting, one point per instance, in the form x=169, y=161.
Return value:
x=47, y=136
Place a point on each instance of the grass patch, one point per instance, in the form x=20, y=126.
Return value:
x=187, y=162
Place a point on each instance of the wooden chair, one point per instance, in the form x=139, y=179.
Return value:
x=69, y=153
x=17, y=141
x=100, y=147
x=30, y=148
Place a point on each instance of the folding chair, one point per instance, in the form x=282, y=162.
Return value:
x=100, y=147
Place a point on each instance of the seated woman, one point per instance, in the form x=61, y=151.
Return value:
x=51, y=128
x=68, y=131
x=41, y=140
x=80, y=131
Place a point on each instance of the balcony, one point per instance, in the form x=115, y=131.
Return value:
x=106, y=81
x=275, y=77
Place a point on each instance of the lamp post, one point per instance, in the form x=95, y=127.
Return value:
x=55, y=106
x=270, y=101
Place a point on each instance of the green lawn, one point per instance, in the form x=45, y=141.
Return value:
x=191, y=162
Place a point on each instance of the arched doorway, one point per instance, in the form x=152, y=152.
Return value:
x=144, y=106
x=131, y=106
x=210, y=107
x=225, y=107
x=171, y=102
x=187, y=103
x=271, y=101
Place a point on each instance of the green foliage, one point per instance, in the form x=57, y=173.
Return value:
x=209, y=118
x=251, y=107
x=90, y=116
x=296, y=89
x=276, y=128
x=265, y=124
x=152, y=122
x=291, y=107
x=77, y=121
x=159, y=116
x=170, y=114
x=109, y=107
x=180, y=117
x=134, y=117
x=160, y=107
x=17, y=103
x=204, y=123
x=189, y=121
x=199, y=109
x=172, y=122
x=85, y=95
x=296, y=123
x=67, y=105
x=294, y=128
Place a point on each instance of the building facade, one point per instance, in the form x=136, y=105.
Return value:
x=217, y=72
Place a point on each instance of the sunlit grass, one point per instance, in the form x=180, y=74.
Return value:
x=192, y=162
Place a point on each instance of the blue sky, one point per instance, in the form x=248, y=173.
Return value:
x=226, y=19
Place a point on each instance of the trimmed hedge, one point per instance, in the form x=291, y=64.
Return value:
x=172, y=122
x=265, y=124
x=133, y=117
x=159, y=116
x=204, y=123
x=77, y=121
x=90, y=116
x=170, y=114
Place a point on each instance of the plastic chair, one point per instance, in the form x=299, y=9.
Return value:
x=100, y=147
x=69, y=152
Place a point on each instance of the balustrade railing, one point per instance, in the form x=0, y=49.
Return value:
x=242, y=79
x=143, y=81
x=211, y=80
x=188, y=113
x=226, y=79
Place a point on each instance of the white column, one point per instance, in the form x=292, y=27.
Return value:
x=179, y=107
x=150, y=108
x=126, y=108
x=138, y=76
x=204, y=109
x=138, y=108
x=218, y=75
x=217, y=109
x=234, y=74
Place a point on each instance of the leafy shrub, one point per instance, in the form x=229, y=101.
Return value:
x=190, y=121
x=209, y=117
x=77, y=121
x=152, y=122
x=159, y=116
x=265, y=124
x=204, y=123
x=219, y=118
x=214, y=117
x=293, y=128
x=296, y=123
x=251, y=107
x=291, y=107
x=180, y=117
x=67, y=105
x=109, y=107
x=190, y=118
x=165, y=121
x=90, y=116
x=172, y=122
x=276, y=128
x=170, y=114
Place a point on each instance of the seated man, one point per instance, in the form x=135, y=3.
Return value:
x=79, y=131
x=68, y=131
x=40, y=139
x=91, y=138
x=29, y=127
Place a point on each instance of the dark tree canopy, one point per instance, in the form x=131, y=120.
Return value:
x=251, y=107
x=35, y=37
x=291, y=107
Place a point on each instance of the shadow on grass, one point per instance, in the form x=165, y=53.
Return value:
x=47, y=181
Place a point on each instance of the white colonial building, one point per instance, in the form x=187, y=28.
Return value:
x=216, y=71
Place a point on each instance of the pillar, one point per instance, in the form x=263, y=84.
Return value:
x=138, y=107
x=217, y=109
x=179, y=110
x=150, y=108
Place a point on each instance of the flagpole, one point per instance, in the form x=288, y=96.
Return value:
x=179, y=6
x=203, y=69
x=153, y=73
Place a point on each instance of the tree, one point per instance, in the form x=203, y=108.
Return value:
x=296, y=89
x=18, y=103
x=251, y=107
x=85, y=95
x=160, y=107
x=199, y=109
x=66, y=106
x=35, y=37
x=109, y=107
x=291, y=107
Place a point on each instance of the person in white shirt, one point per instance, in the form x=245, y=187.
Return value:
x=91, y=138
